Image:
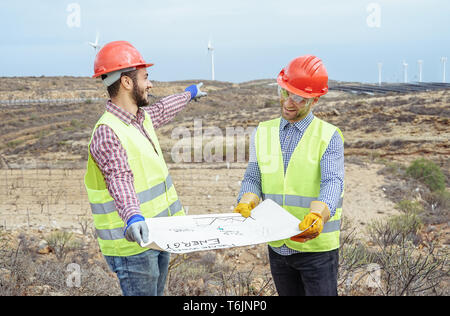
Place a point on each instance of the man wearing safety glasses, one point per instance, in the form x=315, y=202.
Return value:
x=297, y=161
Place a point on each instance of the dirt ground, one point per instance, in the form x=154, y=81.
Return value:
x=43, y=151
x=37, y=203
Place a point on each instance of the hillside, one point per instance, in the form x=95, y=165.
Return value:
x=398, y=126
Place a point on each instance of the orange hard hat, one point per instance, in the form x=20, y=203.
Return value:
x=118, y=55
x=305, y=76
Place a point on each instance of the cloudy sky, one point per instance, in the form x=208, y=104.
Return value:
x=253, y=39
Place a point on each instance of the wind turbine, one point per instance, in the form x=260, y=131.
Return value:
x=211, y=50
x=443, y=61
x=405, y=71
x=380, y=67
x=96, y=45
x=420, y=62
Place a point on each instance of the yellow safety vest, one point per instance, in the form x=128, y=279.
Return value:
x=296, y=189
x=152, y=183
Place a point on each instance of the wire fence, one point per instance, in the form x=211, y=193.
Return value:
x=57, y=199
x=51, y=198
x=49, y=101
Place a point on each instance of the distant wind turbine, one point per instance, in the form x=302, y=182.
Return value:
x=211, y=50
x=420, y=62
x=443, y=61
x=405, y=71
x=96, y=46
x=380, y=68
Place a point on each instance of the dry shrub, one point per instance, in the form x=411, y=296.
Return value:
x=24, y=273
x=16, y=270
x=408, y=267
x=409, y=271
x=393, y=263
x=437, y=207
x=201, y=274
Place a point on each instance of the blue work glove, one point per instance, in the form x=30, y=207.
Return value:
x=137, y=230
x=195, y=91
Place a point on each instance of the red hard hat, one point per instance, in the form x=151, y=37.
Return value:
x=116, y=56
x=305, y=76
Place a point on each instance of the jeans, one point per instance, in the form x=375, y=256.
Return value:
x=305, y=274
x=141, y=275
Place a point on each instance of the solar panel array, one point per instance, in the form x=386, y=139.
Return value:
x=389, y=87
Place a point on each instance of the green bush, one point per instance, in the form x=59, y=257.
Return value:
x=398, y=228
x=427, y=172
x=62, y=243
x=409, y=207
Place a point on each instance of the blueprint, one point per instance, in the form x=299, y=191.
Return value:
x=185, y=234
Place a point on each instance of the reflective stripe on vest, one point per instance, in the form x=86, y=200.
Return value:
x=146, y=196
x=117, y=233
x=305, y=202
x=294, y=200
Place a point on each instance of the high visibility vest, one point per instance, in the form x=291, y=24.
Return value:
x=152, y=183
x=300, y=186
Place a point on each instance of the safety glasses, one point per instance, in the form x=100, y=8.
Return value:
x=283, y=93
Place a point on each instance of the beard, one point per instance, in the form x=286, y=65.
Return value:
x=139, y=96
x=300, y=114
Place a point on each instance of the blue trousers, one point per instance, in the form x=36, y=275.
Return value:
x=305, y=274
x=141, y=275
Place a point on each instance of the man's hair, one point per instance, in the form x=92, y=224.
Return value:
x=113, y=90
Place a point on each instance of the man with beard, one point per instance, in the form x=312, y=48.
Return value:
x=298, y=161
x=127, y=179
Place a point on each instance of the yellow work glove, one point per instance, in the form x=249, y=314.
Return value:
x=248, y=202
x=318, y=216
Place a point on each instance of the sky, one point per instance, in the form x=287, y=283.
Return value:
x=253, y=39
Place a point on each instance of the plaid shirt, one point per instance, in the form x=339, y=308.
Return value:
x=331, y=166
x=111, y=157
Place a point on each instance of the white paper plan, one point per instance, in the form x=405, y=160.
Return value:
x=184, y=234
